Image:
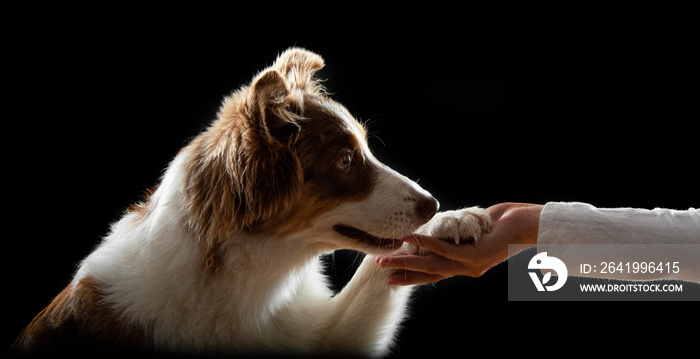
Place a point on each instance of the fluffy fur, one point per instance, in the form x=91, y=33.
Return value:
x=223, y=255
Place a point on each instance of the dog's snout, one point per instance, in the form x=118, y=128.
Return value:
x=426, y=207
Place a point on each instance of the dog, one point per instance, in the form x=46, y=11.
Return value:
x=223, y=256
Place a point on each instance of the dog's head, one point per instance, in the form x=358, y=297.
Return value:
x=284, y=158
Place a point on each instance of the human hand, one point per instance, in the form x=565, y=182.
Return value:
x=513, y=223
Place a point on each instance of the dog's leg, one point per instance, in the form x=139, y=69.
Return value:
x=366, y=313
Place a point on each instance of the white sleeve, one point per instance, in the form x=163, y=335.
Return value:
x=581, y=223
x=579, y=232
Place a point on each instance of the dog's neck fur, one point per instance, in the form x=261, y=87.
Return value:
x=151, y=266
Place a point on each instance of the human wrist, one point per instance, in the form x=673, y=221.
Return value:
x=529, y=218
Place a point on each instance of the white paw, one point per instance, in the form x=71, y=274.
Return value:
x=460, y=225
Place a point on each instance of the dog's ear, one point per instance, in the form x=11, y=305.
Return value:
x=268, y=173
x=273, y=173
x=243, y=169
x=269, y=111
x=298, y=67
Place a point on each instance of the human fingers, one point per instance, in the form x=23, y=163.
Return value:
x=435, y=245
x=430, y=264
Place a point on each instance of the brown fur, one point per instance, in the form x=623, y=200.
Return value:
x=143, y=208
x=79, y=320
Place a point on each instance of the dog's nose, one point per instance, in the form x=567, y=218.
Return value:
x=426, y=207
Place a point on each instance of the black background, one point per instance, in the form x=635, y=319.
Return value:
x=481, y=107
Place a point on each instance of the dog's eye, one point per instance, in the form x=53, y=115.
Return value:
x=344, y=162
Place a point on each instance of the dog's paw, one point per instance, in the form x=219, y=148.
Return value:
x=458, y=226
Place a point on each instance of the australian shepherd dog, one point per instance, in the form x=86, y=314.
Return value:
x=223, y=256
